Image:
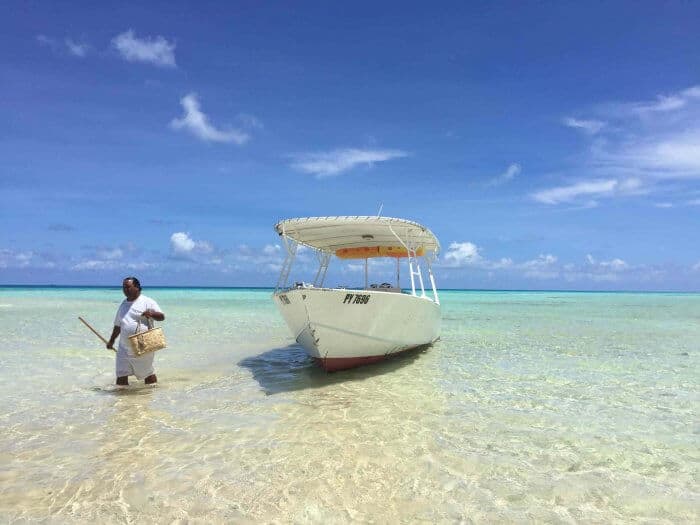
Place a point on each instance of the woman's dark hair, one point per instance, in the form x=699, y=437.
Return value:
x=134, y=280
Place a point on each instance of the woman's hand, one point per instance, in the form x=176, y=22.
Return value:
x=152, y=314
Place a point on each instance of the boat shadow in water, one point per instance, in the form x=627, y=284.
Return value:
x=290, y=368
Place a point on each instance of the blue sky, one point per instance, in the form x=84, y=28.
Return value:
x=547, y=145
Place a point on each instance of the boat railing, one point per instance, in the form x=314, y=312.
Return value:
x=371, y=288
x=411, y=246
x=291, y=247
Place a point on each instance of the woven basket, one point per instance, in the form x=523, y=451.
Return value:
x=148, y=341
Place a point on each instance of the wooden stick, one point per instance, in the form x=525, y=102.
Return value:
x=95, y=332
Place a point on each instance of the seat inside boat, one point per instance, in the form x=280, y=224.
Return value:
x=384, y=287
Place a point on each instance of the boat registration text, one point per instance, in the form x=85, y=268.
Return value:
x=356, y=298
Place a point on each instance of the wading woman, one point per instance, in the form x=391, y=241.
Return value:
x=133, y=315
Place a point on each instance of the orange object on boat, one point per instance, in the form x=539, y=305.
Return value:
x=398, y=251
x=367, y=252
x=362, y=252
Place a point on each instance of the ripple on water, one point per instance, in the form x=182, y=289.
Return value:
x=532, y=407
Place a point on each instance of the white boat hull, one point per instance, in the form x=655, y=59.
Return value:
x=347, y=328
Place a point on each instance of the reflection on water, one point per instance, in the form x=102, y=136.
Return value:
x=524, y=411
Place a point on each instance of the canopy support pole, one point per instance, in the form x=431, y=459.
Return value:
x=366, y=273
x=323, y=260
x=291, y=247
x=398, y=272
x=432, y=281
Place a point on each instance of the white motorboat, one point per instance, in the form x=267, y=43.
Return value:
x=345, y=327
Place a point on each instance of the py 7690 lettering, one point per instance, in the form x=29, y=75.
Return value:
x=356, y=298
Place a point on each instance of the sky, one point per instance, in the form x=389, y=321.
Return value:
x=548, y=145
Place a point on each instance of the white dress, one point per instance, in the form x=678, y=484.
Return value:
x=127, y=319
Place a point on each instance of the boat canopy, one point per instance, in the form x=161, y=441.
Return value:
x=360, y=236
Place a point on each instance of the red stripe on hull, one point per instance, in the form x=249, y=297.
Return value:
x=332, y=364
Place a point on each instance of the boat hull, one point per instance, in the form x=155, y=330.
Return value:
x=347, y=328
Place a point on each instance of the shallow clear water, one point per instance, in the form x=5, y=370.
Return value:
x=546, y=407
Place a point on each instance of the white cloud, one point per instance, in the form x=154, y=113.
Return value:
x=659, y=139
x=341, y=160
x=76, y=49
x=595, y=188
x=45, y=40
x=502, y=263
x=604, y=271
x=101, y=264
x=544, y=267
x=613, y=264
x=120, y=258
x=694, y=202
x=653, y=108
x=198, y=124
x=691, y=92
x=111, y=254
x=696, y=267
x=180, y=242
x=183, y=246
x=157, y=51
x=467, y=254
x=662, y=103
x=462, y=254
x=511, y=172
x=15, y=259
x=250, y=121
x=675, y=156
x=639, y=148
x=542, y=261
x=19, y=259
x=94, y=264
x=591, y=190
x=270, y=257
x=68, y=46
x=588, y=126
x=49, y=42
x=271, y=249
x=548, y=267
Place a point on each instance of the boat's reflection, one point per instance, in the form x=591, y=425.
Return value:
x=290, y=368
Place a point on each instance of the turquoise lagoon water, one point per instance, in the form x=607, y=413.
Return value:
x=533, y=407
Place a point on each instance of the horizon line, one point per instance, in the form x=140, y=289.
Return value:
x=204, y=287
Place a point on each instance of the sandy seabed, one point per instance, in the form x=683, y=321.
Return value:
x=544, y=407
